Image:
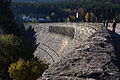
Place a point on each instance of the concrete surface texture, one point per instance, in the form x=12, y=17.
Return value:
x=86, y=54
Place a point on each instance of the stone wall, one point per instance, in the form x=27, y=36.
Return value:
x=58, y=39
x=89, y=55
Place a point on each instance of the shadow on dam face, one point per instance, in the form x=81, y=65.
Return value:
x=57, y=39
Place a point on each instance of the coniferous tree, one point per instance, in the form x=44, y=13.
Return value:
x=8, y=24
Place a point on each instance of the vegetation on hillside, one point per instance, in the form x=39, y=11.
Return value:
x=26, y=70
x=15, y=45
x=8, y=24
x=107, y=1
x=102, y=10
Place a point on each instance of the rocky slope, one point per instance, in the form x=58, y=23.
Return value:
x=92, y=58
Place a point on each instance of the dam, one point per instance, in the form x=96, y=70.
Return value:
x=76, y=51
x=58, y=39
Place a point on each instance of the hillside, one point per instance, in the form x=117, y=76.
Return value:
x=108, y=1
x=36, y=0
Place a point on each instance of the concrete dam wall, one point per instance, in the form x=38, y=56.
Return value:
x=76, y=51
x=57, y=39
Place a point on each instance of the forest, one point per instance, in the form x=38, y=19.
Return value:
x=16, y=48
x=57, y=11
